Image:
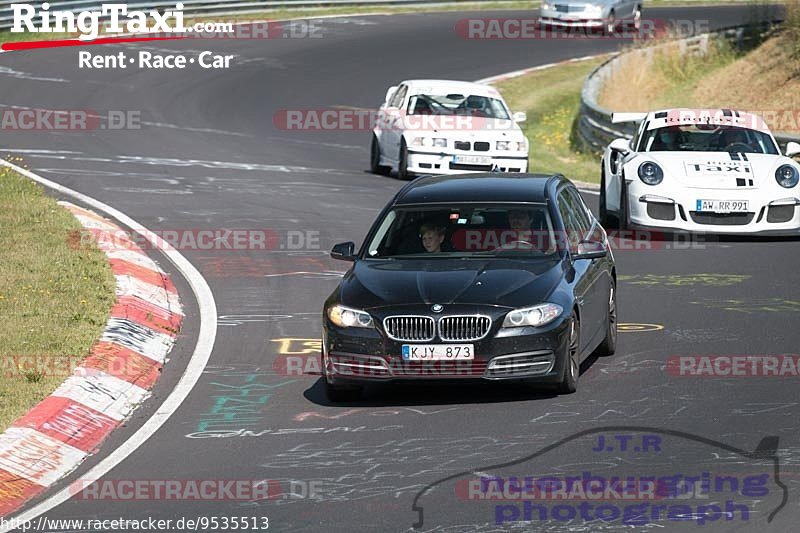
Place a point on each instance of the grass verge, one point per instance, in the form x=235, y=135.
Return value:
x=552, y=99
x=764, y=80
x=54, y=297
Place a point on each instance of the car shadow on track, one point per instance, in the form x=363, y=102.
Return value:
x=411, y=393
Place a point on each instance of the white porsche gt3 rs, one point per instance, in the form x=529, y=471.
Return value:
x=446, y=127
x=709, y=171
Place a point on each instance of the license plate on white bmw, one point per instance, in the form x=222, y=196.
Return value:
x=438, y=352
x=723, y=206
x=472, y=159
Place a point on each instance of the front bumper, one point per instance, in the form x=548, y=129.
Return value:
x=420, y=162
x=571, y=22
x=668, y=209
x=575, y=19
x=355, y=355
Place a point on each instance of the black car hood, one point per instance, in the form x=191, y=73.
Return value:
x=505, y=282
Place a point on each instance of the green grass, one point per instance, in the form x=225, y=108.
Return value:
x=551, y=98
x=54, y=297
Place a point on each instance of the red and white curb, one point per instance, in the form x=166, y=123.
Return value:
x=66, y=427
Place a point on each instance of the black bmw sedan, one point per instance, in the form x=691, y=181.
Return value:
x=479, y=276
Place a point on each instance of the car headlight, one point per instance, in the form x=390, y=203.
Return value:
x=650, y=173
x=547, y=6
x=503, y=145
x=419, y=141
x=522, y=146
x=593, y=10
x=787, y=176
x=538, y=315
x=345, y=317
x=441, y=142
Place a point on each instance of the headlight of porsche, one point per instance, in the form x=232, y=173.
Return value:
x=547, y=6
x=419, y=141
x=441, y=142
x=522, y=146
x=538, y=315
x=650, y=173
x=787, y=176
x=503, y=145
x=346, y=317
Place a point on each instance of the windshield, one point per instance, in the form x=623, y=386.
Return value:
x=517, y=230
x=457, y=104
x=708, y=138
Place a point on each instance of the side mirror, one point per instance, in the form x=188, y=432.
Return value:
x=792, y=149
x=519, y=116
x=590, y=250
x=620, y=145
x=346, y=251
x=389, y=93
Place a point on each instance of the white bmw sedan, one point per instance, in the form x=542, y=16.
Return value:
x=700, y=170
x=446, y=127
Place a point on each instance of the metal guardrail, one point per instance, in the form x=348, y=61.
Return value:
x=595, y=130
x=195, y=8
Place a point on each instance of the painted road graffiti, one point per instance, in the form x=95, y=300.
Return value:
x=753, y=305
x=238, y=401
x=685, y=280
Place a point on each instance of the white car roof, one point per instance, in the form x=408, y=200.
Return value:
x=450, y=86
x=723, y=117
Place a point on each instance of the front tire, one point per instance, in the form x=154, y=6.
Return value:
x=572, y=366
x=402, y=162
x=375, y=158
x=611, y=24
x=602, y=211
x=637, y=19
x=609, y=344
x=622, y=216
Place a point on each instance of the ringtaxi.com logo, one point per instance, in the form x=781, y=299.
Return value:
x=114, y=18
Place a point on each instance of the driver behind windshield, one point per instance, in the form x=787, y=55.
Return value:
x=733, y=137
x=519, y=220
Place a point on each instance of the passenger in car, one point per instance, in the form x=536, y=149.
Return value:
x=668, y=139
x=432, y=237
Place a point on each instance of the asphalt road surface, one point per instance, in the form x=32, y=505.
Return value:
x=209, y=156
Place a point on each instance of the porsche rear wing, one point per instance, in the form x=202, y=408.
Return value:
x=616, y=118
